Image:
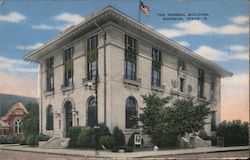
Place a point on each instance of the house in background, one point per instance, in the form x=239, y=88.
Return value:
x=11, y=123
x=97, y=70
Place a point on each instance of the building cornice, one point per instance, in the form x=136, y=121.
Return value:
x=111, y=14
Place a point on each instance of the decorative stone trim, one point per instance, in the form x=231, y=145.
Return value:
x=49, y=92
x=67, y=88
x=136, y=81
x=160, y=88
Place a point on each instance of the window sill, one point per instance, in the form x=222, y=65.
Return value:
x=160, y=88
x=87, y=82
x=67, y=88
x=202, y=99
x=136, y=82
x=49, y=92
x=182, y=94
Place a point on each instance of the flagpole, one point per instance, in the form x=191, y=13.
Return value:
x=139, y=12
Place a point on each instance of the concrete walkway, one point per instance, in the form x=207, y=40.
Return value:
x=107, y=154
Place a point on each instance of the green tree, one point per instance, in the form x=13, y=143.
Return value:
x=31, y=120
x=164, y=124
x=235, y=132
x=119, y=137
x=185, y=116
x=153, y=117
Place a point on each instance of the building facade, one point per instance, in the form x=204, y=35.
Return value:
x=96, y=71
x=11, y=123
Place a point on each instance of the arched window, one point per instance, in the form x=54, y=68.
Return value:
x=92, y=112
x=17, y=126
x=131, y=113
x=68, y=116
x=50, y=118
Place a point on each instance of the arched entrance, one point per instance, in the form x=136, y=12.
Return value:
x=68, y=116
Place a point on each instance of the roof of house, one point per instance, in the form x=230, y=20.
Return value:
x=16, y=106
x=111, y=14
x=7, y=101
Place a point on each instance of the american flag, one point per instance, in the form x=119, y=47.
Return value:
x=144, y=8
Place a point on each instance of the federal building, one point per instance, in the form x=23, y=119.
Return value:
x=96, y=71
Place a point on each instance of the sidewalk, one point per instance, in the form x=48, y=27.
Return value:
x=107, y=154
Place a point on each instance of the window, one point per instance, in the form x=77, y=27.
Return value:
x=68, y=116
x=92, y=44
x=156, y=67
x=182, y=82
x=201, y=83
x=213, y=121
x=50, y=73
x=131, y=113
x=92, y=112
x=130, y=44
x=182, y=65
x=130, y=58
x=212, y=89
x=68, y=67
x=50, y=118
x=17, y=126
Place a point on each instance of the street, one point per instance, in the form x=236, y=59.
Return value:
x=231, y=154
x=16, y=155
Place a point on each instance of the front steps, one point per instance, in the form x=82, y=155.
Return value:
x=193, y=141
x=55, y=142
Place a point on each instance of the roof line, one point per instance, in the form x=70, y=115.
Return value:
x=166, y=39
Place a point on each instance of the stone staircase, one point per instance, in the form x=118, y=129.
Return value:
x=201, y=143
x=193, y=141
x=55, y=142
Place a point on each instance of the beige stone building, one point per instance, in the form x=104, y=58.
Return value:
x=97, y=70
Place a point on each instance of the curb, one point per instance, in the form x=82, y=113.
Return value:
x=117, y=157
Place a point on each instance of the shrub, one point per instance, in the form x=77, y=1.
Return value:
x=124, y=148
x=42, y=137
x=32, y=140
x=103, y=130
x=73, y=135
x=119, y=137
x=85, y=138
x=203, y=135
x=213, y=140
x=107, y=141
x=9, y=140
x=22, y=140
x=235, y=133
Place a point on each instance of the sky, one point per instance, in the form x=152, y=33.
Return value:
x=220, y=35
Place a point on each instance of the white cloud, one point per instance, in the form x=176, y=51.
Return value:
x=240, y=19
x=218, y=55
x=30, y=47
x=43, y=27
x=238, y=48
x=16, y=67
x=184, y=43
x=211, y=53
x=13, y=17
x=69, y=18
x=196, y=27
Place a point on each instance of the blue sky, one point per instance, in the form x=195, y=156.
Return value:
x=222, y=38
